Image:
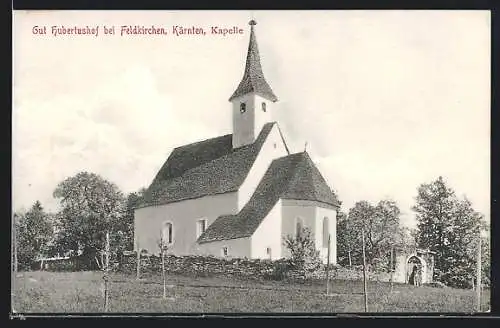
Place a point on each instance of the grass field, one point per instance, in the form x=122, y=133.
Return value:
x=38, y=292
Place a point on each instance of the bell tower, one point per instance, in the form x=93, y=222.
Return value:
x=253, y=99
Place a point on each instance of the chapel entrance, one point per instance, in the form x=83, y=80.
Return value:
x=414, y=271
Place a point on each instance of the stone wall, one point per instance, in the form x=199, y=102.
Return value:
x=198, y=266
x=245, y=268
x=356, y=273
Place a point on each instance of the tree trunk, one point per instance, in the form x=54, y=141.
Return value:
x=106, y=270
x=138, y=262
x=162, y=254
x=164, y=276
x=14, y=232
x=364, y=272
x=392, y=267
x=478, y=274
x=107, y=251
x=97, y=262
x=328, y=268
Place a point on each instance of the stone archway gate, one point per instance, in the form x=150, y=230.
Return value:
x=402, y=265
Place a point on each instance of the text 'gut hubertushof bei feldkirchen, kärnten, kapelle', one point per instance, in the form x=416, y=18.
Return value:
x=124, y=30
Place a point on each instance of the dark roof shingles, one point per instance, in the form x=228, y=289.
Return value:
x=190, y=156
x=291, y=177
x=204, y=168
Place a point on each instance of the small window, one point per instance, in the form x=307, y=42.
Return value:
x=224, y=251
x=268, y=251
x=274, y=145
x=243, y=107
x=201, y=227
x=263, y=106
x=298, y=228
x=168, y=232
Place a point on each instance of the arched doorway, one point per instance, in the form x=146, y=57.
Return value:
x=415, y=270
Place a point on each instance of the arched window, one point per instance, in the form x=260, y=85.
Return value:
x=243, y=107
x=298, y=227
x=168, y=232
x=326, y=232
x=263, y=106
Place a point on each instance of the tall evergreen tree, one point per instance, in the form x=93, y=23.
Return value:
x=450, y=227
x=486, y=260
x=33, y=234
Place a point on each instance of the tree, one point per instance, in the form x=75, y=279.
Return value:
x=34, y=232
x=359, y=217
x=123, y=239
x=406, y=238
x=486, y=261
x=90, y=207
x=346, y=239
x=304, y=258
x=381, y=226
x=163, y=246
x=383, y=230
x=15, y=240
x=450, y=227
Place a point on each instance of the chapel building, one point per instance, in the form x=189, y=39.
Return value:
x=238, y=195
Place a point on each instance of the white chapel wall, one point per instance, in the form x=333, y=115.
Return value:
x=184, y=216
x=243, y=123
x=268, y=235
x=272, y=148
x=311, y=214
x=331, y=214
x=294, y=210
x=262, y=117
x=247, y=125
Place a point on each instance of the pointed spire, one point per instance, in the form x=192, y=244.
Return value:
x=253, y=79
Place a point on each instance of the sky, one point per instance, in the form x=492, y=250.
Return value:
x=386, y=100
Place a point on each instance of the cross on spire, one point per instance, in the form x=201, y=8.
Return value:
x=253, y=78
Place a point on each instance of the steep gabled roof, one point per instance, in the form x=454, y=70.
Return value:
x=253, y=78
x=290, y=177
x=307, y=183
x=204, y=168
x=190, y=156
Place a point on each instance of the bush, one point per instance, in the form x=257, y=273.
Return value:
x=279, y=270
x=304, y=259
